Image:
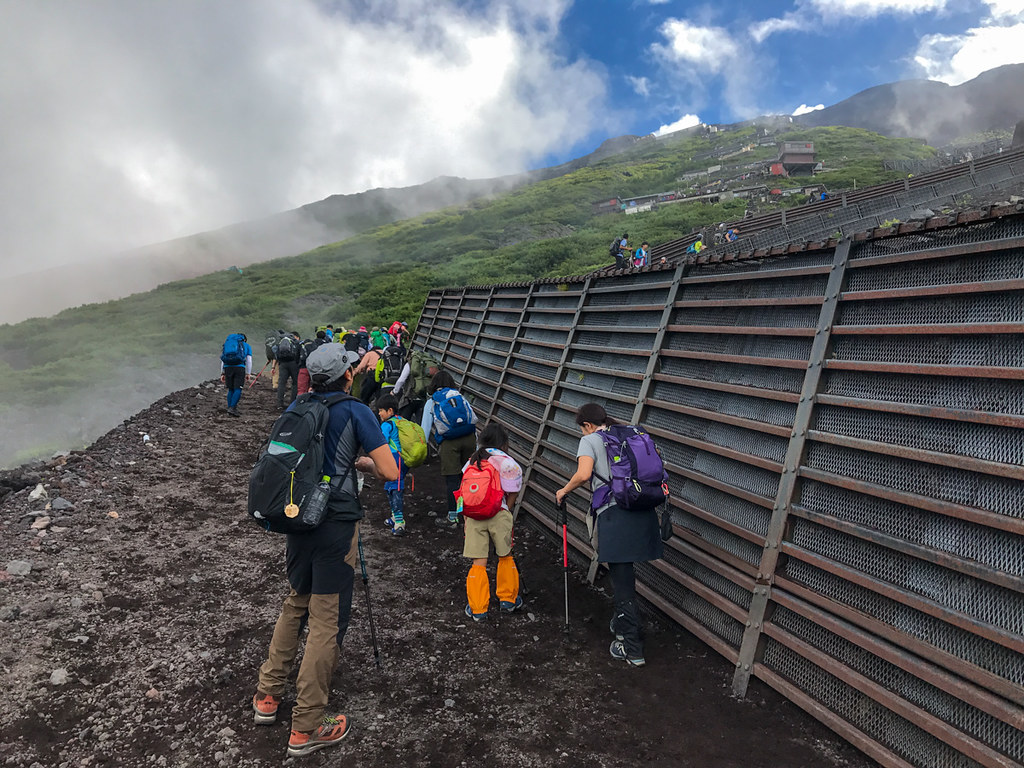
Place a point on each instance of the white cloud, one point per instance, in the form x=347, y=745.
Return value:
x=131, y=123
x=871, y=8
x=955, y=59
x=641, y=85
x=686, y=121
x=803, y=109
x=707, y=48
x=788, y=23
x=1006, y=9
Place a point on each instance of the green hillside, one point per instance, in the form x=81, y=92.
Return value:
x=172, y=334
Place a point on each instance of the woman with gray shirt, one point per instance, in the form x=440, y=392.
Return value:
x=624, y=536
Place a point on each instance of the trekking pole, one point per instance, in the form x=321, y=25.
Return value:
x=369, y=609
x=564, y=515
x=258, y=375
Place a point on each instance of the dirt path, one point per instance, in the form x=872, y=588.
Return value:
x=134, y=640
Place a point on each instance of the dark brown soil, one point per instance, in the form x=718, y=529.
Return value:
x=160, y=616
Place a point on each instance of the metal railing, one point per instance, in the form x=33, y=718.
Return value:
x=844, y=435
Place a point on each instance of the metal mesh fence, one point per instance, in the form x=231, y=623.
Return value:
x=844, y=435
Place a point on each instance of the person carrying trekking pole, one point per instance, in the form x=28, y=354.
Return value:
x=491, y=480
x=625, y=535
x=321, y=563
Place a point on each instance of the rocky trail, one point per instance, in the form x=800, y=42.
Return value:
x=136, y=603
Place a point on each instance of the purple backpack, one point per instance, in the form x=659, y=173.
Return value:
x=639, y=480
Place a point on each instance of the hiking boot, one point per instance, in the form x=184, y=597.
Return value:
x=618, y=651
x=397, y=529
x=475, y=616
x=264, y=708
x=446, y=522
x=331, y=731
x=509, y=607
x=232, y=411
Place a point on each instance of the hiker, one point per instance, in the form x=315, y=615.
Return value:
x=404, y=338
x=395, y=331
x=270, y=345
x=320, y=566
x=624, y=536
x=306, y=349
x=364, y=340
x=235, y=368
x=387, y=407
x=451, y=417
x=491, y=481
x=642, y=256
x=696, y=247
x=366, y=376
x=379, y=338
x=618, y=249
x=288, y=354
x=412, y=387
x=732, y=235
x=390, y=367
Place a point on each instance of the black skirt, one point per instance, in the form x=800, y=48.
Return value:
x=626, y=536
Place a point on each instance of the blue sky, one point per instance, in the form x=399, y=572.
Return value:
x=729, y=60
x=127, y=123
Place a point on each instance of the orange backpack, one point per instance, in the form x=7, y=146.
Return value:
x=480, y=491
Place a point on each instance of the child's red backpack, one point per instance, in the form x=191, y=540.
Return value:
x=480, y=491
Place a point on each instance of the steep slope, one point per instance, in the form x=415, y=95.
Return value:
x=930, y=110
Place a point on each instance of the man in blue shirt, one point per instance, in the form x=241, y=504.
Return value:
x=321, y=565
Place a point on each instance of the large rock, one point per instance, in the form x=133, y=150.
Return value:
x=1018, y=135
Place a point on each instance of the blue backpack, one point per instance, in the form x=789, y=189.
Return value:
x=234, y=350
x=452, y=415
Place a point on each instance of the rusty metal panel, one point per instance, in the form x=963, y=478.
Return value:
x=891, y=606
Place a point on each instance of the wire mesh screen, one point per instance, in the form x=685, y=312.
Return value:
x=844, y=439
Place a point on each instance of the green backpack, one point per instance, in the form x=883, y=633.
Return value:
x=422, y=368
x=413, y=442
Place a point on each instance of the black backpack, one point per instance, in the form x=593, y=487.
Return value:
x=616, y=245
x=290, y=466
x=286, y=349
x=351, y=342
x=394, y=362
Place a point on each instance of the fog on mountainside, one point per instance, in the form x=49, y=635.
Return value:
x=930, y=110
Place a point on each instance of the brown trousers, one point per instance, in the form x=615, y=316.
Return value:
x=320, y=660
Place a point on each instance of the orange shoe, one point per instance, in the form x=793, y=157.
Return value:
x=264, y=708
x=331, y=731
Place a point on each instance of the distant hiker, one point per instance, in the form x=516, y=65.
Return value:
x=395, y=331
x=732, y=235
x=404, y=338
x=320, y=566
x=235, y=368
x=364, y=340
x=379, y=338
x=451, y=417
x=624, y=535
x=618, y=249
x=491, y=480
x=350, y=340
x=387, y=405
x=288, y=354
x=696, y=247
x=642, y=256
x=270, y=346
x=306, y=349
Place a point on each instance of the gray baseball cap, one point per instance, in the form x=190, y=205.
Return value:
x=329, y=362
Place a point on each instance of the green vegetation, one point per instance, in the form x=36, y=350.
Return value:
x=542, y=230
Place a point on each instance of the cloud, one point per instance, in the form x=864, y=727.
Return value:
x=955, y=59
x=706, y=48
x=803, y=109
x=872, y=8
x=131, y=123
x=641, y=85
x=686, y=121
x=789, y=22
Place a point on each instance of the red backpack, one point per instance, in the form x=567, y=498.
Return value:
x=480, y=491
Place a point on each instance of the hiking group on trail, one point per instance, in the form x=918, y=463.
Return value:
x=306, y=483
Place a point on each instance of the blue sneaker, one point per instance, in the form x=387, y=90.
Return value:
x=618, y=651
x=397, y=529
x=475, y=616
x=509, y=607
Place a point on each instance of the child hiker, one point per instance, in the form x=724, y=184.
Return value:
x=491, y=481
x=387, y=405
